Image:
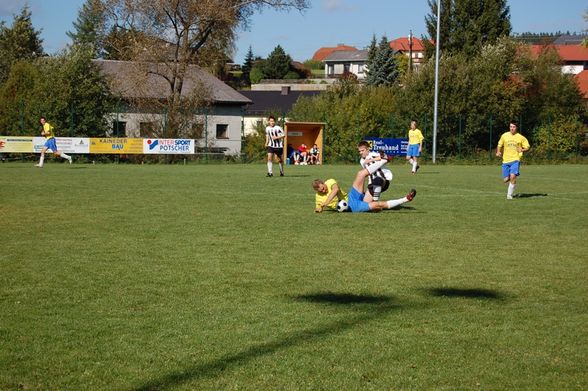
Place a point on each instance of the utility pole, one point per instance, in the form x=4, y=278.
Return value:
x=410, y=52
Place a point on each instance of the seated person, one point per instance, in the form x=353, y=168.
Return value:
x=302, y=150
x=314, y=155
x=292, y=154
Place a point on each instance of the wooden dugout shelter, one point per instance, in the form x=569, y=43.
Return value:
x=308, y=133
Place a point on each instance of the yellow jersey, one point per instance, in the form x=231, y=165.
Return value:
x=511, y=142
x=322, y=197
x=48, y=129
x=415, y=136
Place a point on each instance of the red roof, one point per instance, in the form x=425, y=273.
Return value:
x=566, y=52
x=582, y=80
x=323, y=53
x=401, y=45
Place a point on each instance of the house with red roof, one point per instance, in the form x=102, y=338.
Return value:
x=574, y=61
x=574, y=57
x=412, y=47
x=325, y=52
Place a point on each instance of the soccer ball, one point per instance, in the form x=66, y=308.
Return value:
x=342, y=206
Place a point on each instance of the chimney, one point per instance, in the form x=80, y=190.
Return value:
x=285, y=90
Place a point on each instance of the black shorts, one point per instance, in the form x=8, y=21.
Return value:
x=276, y=151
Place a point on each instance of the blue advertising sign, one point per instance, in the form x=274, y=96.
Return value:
x=390, y=146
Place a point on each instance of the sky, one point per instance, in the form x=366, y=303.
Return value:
x=326, y=24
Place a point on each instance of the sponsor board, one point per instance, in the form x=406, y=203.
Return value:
x=390, y=146
x=116, y=145
x=64, y=144
x=16, y=144
x=168, y=146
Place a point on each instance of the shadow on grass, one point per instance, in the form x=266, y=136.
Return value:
x=475, y=293
x=365, y=308
x=530, y=195
x=402, y=208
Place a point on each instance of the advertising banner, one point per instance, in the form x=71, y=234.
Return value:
x=64, y=144
x=116, y=145
x=391, y=146
x=16, y=144
x=168, y=146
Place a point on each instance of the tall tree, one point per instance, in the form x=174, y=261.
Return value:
x=89, y=27
x=247, y=66
x=178, y=34
x=18, y=42
x=468, y=25
x=277, y=64
x=382, y=71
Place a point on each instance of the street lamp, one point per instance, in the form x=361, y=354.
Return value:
x=437, y=47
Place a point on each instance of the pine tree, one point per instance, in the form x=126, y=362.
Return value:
x=277, y=64
x=89, y=27
x=247, y=66
x=468, y=25
x=383, y=70
x=19, y=42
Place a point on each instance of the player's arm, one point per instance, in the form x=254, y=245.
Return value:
x=525, y=146
x=499, y=147
x=282, y=135
x=267, y=140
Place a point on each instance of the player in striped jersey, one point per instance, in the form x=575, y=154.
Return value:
x=379, y=177
x=274, y=141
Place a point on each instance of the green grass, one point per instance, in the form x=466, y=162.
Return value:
x=208, y=277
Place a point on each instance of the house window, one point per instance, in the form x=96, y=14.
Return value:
x=222, y=131
x=147, y=129
x=360, y=68
x=197, y=130
x=330, y=70
x=119, y=128
x=346, y=68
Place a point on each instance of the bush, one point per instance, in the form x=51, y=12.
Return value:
x=562, y=136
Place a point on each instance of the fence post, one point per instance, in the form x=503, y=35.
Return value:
x=71, y=119
x=459, y=139
x=490, y=145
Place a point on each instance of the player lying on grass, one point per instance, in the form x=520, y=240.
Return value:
x=328, y=197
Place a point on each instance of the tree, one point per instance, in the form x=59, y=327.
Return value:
x=247, y=66
x=382, y=70
x=467, y=25
x=18, y=42
x=89, y=27
x=177, y=34
x=277, y=64
x=67, y=88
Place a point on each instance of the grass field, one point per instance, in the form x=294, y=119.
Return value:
x=213, y=277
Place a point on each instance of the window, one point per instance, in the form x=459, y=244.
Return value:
x=119, y=128
x=360, y=69
x=222, y=131
x=346, y=68
x=330, y=70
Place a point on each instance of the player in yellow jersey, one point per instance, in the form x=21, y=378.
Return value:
x=47, y=132
x=328, y=194
x=511, y=147
x=415, y=146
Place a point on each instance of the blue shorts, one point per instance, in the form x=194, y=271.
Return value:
x=356, y=202
x=51, y=144
x=511, y=168
x=413, y=150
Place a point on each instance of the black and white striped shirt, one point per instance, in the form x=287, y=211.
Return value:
x=382, y=172
x=274, y=131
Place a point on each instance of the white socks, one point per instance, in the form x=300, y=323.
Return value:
x=414, y=165
x=281, y=168
x=394, y=203
x=269, y=167
x=63, y=155
x=41, y=160
x=511, y=189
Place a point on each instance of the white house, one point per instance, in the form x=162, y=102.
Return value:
x=342, y=62
x=218, y=127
